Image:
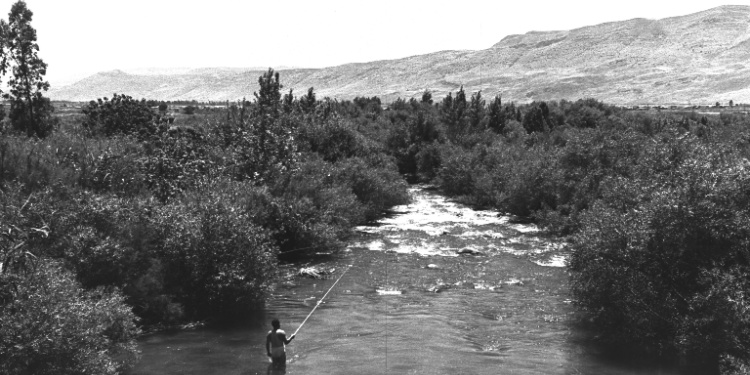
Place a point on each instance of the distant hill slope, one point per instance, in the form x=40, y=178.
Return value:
x=699, y=58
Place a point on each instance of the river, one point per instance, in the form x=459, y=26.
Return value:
x=411, y=304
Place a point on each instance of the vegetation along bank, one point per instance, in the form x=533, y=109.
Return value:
x=121, y=216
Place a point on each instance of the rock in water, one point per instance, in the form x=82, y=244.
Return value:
x=438, y=288
x=314, y=273
x=469, y=251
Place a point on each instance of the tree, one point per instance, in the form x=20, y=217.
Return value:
x=268, y=98
x=266, y=147
x=3, y=59
x=30, y=111
x=454, y=112
x=288, y=102
x=476, y=110
x=496, y=115
x=537, y=118
x=307, y=101
x=427, y=97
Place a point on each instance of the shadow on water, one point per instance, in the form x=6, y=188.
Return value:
x=629, y=358
x=276, y=369
x=401, y=311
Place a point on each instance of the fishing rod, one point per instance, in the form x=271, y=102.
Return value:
x=321, y=300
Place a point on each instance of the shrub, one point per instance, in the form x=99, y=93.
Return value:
x=334, y=139
x=667, y=270
x=121, y=115
x=52, y=326
x=216, y=261
x=264, y=148
x=456, y=171
x=428, y=161
x=311, y=210
x=175, y=161
x=120, y=173
x=376, y=187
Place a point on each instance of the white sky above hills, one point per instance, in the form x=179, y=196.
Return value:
x=78, y=38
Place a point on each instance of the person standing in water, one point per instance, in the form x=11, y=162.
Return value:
x=275, y=342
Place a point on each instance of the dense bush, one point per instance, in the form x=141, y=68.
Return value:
x=333, y=139
x=216, y=261
x=32, y=117
x=120, y=115
x=53, y=326
x=374, y=182
x=667, y=268
x=310, y=212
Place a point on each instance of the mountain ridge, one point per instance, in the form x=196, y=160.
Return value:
x=698, y=58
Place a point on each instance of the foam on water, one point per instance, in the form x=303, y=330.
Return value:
x=484, y=233
x=376, y=245
x=434, y=215
x=553, y=261
x=434, y=226
x=383, y=292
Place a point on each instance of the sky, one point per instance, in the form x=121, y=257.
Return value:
x=78, y=38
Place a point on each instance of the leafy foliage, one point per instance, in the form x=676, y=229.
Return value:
x=53, y=326
x=217, y=262
x=189, y=222
x=121, y=115
x=667, y=267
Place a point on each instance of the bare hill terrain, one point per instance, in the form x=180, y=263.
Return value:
x=695, y=59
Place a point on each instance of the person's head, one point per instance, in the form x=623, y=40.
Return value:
x=275, y=323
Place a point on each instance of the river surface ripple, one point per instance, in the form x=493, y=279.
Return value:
x=411, y=304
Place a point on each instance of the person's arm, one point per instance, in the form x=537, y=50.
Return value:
x=286, y=342
x=268, y=345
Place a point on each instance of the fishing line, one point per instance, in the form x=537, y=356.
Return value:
x=386, y=315
x=321, y=300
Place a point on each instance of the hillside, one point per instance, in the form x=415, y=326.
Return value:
x=695, y=59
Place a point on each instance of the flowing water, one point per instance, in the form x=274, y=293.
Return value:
x=411, y=304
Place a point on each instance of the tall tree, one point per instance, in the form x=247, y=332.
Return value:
x=266, y=146
x=476, y=110
x=496, y=115
x=268, y=103
x=30, y=111
x=427, y=97
x=3, y=59
x=288, y=102
x=537, y=118
x=453, y=111
x=307, y=101
x=268, y=98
